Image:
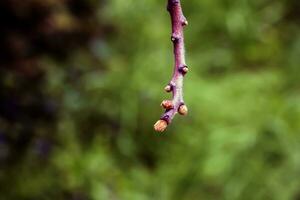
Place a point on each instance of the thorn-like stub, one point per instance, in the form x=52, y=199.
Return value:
x=184, y=69
x=167, y=104
x=184, y=22
x=183, y=110
x=160, y=125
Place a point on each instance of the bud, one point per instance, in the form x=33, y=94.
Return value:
x=185, y=22
x=183, y=110
x=160, y=125
x=174, y=37
x=167, y=104
x=184, y=69
x=168, y=88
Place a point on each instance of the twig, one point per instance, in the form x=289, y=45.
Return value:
x=176, y=105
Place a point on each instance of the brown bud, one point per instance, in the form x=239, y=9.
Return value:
x=183, y=110
x=160, y=125
x=168, y=88
x=167, y=104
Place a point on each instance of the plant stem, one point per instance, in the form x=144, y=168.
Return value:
x=180, y=68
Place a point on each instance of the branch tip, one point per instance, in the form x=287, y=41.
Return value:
x=160, y=125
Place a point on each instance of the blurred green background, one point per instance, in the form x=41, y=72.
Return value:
x=81, y=82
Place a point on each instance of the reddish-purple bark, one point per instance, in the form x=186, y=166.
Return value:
x=180, y=68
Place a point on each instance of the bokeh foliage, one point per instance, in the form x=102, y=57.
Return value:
x=80, y=87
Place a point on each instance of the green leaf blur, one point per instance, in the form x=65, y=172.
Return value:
x=99, y=69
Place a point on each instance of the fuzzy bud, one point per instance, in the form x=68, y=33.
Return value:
x=167, y=104
x=168, y=88
x=184, y=69
x=160, y=125
x=183, y=110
